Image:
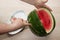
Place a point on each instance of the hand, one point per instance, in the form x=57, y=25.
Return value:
x=39, y=6
x=19, y=22
x=35, y=2
x=40, y=3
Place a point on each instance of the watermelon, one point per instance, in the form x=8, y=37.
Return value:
x=42, y=20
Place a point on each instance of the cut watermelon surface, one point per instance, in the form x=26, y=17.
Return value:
x=42, y=20
x=46, y=19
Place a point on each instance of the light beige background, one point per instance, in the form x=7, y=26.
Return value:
x=8, y=7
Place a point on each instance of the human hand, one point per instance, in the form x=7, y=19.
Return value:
x=40, y=3
x=17, y=22
x=35, y=2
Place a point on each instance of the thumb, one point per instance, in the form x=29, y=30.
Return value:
x=27, y=24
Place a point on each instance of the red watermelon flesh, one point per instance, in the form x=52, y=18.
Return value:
x=45, y=19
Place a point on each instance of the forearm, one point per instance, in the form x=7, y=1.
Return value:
x=7, y=27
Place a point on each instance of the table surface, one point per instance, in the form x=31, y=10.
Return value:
x=8, y=7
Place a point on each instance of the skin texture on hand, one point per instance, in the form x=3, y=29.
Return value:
x=16, y=24
x=19, y=22
x=35, y=2
x=38, y=3
x=39, y=6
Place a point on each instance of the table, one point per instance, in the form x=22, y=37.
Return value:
x=8, y=7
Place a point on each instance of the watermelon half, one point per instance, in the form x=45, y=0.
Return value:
x=42, y=20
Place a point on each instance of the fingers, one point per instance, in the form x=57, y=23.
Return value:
x=26, y=23
x=47, y=7
x=21, y=21
x=13, y=20
x=40, y=1
x=44, y=1
x=43, y=5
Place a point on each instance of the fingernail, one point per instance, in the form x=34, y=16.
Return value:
x=13, y=18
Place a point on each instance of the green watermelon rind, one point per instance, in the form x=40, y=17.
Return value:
x=41, y=29
x=43, y=33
